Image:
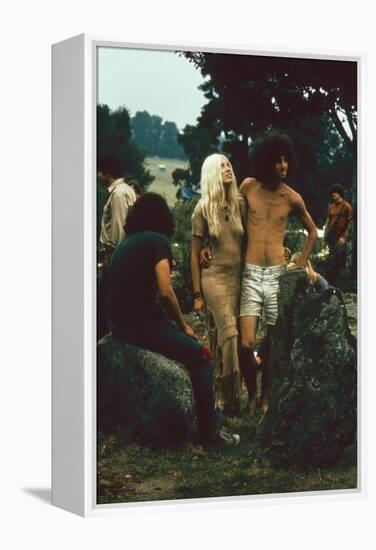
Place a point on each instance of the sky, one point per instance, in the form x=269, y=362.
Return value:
x=160, y=82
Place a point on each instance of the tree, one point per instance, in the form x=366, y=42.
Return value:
x=246, y=93
x=169, y=145
x=155, y=137
x=117, y=154
x=198, y=143
x=144, y=133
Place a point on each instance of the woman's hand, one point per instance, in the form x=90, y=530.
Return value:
x=199, y=304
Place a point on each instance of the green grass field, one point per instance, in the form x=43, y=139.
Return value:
x=163, y=180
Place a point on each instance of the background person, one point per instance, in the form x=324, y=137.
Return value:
x=319, y=283
x=337, y=226
x=121, y=197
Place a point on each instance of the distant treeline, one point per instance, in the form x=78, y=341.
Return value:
x=155, y=137
x=123, y=142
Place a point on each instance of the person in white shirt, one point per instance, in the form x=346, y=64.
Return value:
x=115, y=211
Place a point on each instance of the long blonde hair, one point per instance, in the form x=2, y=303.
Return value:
x=213, y=193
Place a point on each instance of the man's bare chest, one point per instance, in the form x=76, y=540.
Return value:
x=268, y=209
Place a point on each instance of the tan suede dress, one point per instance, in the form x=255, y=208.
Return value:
x=220, y=285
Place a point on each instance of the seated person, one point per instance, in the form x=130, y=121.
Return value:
x=140, y=269
x=320, y=284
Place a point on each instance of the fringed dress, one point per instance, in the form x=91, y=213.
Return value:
x=220, y=284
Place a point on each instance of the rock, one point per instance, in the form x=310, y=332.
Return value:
x=143, y=395
x=312, y=415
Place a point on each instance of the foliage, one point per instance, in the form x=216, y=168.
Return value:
x=181, y=176
x=198, y=143
x=117, y=153
x=183, y=238
x=294, y=237
x=247, y=93
x=156, y=138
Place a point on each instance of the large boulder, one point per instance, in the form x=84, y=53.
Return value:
x=142, y=394
x=312, y=415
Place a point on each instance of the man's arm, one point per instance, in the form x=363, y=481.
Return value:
x=299, y=209
x=342, y=239
x=168, y=296
x=243, y=207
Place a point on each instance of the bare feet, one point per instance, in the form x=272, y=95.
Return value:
x=252, y=405
x=264, y=406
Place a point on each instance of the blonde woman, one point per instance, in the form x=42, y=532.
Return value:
x=217, y=222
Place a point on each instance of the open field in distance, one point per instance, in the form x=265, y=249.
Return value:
x=163, y=180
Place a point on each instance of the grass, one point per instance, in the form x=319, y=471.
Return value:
x=134, y=473
x=163, y=183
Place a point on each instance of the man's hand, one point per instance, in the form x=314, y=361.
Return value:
x=189, y=331
x=342, y=240
x=293, y=266
x=206, y=257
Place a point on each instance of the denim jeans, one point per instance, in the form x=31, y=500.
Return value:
x=165, y=338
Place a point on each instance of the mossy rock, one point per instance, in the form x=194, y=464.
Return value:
x=143, y=395
x=312, y=415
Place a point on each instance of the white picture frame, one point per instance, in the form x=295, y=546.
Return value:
x=74, y=281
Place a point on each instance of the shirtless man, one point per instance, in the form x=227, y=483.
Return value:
x=270, y=201
x=337, y=226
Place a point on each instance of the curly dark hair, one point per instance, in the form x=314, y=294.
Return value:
x=150, y=213
x=111, y=165
x=266, y=152
x=337, y=188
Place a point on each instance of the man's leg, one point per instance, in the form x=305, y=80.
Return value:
x=266, y=370
x=248, y=363
x=271, y=287
x=165, y=338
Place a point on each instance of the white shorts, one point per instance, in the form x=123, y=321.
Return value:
x=260, y=291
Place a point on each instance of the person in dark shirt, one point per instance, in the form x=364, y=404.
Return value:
x=140, y=296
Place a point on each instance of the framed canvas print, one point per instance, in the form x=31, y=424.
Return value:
x=206, y=236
